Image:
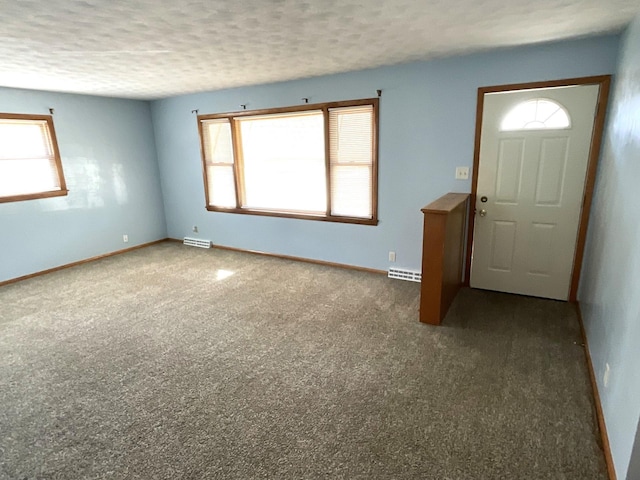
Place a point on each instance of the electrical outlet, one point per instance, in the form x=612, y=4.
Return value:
x=194, y=229
x=462, y=173
x=392, y=256
x=125, y=238
x=607, y=373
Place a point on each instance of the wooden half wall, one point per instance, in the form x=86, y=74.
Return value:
x=442, y=255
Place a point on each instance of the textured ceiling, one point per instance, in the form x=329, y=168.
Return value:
x=151, y=49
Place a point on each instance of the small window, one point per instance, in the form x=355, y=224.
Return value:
x=538, y=114
x=30, y=165
x=313, y=161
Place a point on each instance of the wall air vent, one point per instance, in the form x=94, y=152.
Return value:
x=197, y=242
x=402, y=274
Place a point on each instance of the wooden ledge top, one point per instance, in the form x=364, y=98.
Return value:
x=446, y=203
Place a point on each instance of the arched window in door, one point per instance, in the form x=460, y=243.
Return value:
x=538, y=114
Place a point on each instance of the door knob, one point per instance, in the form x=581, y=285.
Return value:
x=482, y=212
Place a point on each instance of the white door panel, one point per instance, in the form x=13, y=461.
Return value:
x=503, y=242
x=533, y=181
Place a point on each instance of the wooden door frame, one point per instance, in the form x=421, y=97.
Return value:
x=604, y=82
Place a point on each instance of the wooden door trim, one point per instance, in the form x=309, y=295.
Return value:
x=604, y=82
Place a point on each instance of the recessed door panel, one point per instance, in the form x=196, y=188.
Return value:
x=502, y=245
x=509, y=171
x=542, y=243
x=551, y=171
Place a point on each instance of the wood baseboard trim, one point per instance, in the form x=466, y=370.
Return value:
x=297, y=259
x=79, y=262
x=602, y=427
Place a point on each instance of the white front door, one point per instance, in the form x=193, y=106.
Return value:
x=534, y=151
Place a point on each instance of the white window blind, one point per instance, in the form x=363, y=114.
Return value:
x=218, y=151
x=27, y=158
x=351, y=141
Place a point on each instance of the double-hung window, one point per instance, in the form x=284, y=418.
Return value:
x=30, y=165
x=312, y=161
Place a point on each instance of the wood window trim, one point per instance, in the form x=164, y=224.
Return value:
x=238, y=163
x=237, y=152
x=327, y=157
x=63, y=191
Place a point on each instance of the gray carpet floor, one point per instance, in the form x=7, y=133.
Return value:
x=173, y=362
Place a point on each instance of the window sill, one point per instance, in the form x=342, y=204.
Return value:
x=34, y=196
x=299, y=216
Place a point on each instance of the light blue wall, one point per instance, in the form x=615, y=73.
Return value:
x=427, y=121
x=610, y=287
x=109, y=161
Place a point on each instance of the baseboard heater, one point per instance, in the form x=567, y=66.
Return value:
x=197, y=242
x=402, y=274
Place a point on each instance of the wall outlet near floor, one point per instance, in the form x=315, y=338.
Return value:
x=607, y=373
x=462, y=173
x=392, y=256
x=125, y=238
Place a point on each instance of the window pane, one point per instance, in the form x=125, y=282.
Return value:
x=558, y=119
x=218, y=151
x=351, y=134
x=24, y=176
x=24, y=139
x=29, y=162
x=544, y=109
x=351, y=140
x=222, y=191
x=536, y=114
x=284, y=162
x=351, y=191
x=217, y=141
